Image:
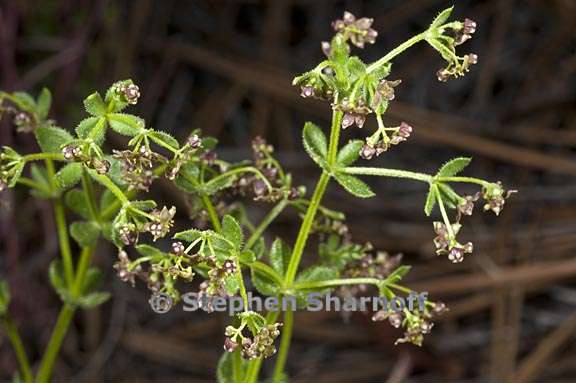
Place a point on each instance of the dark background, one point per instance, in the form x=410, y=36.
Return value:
x=226, y=67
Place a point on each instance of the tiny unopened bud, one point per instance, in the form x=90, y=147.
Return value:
x=307, y=91
x=259, y=188
x=132, y=93
x=473, y=58
x=367, y=152
x=194, y=141
x=230, y=345
x=347, y=120
x=469, y=26
x=229, y=266
x=326, y=48
x=178, y=248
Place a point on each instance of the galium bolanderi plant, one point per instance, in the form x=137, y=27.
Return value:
x=100, y=194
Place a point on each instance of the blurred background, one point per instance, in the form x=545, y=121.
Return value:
x=226, y=67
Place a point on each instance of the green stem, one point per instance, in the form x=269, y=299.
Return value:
x=237, y=366
x=90, y=197
x=443, y=211
x=396, y=173
x=254, y=365
x=245, y=169
x=63, y=321
x=337, y=282
x=18, y=346
x=267, y=270
x=284, y=345
x=304, y=233
x=34, y=185
x=43, y=156
x=470, y=180
x=64, y=241
x=396, y=51
x=108, y=184
x=271, y=216
x=212, y=213
x=62, y=228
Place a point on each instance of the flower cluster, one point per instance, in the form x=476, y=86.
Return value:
x=359, y=31
x=261, y=342
x=416, y=324
x=11, y=166
x=270, y=183
x=446, y=232
x=380, y=141
x=457, y=65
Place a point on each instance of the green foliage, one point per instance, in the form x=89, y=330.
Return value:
x=86, y=233
x=232, y=231
x=94, y=105
x=354, y=185
x=51, y=138
x=4, y=297
x=349, y=153
x=126, y=124
x=69, y=176
x=453, y=167
x=315, y=143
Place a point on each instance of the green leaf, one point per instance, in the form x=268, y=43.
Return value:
x=95, y=105
x=232, y=284
x=263, y=284
x=441, y=18
x=4, y=297
x=356, y=67
x=69, y=175
x=216, y=184
x=349, y=153
x=126, y=124
x=354, y=185
x=449, y=195
x=339, y=49
x=56, y=276
x=280, y=256
x=92, y=300
x=225, y=371
x=232, y=231
x=317, y=274
x=247, y=256
x=76, y=201
x=430, y=201
x=164, y=138
x=91, y=280
x=453, y=167
x=86, y=233
x=144, y=205
x=259, y=247
x=397, y=275
x=40, y=175
x=315, y=143
x=188, y=235
x=43, y=103
x=51, y=138
x=92, y=127
x=149, y=251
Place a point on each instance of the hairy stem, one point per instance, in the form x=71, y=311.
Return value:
x=396, y=51
x=18, y=346
x=305, y=232
x=396, y=173
x=63, y=321
x=284, y=345
x=337, y=282
x=255, y=365
x=271, y=216
x=212, y=213
x=62, y=228
x=469, y=180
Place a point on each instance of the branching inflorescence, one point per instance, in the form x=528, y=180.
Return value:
x=223, y=248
